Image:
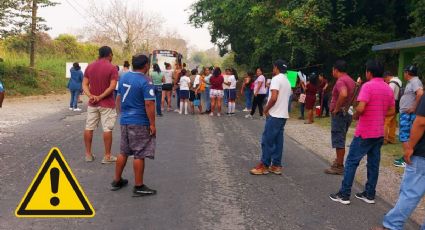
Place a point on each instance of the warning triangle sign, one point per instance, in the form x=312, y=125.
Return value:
x=55, y=192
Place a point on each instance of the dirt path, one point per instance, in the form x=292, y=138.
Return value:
x=20, y=111
x=318, y=140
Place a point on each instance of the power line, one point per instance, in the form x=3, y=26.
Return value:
x=75, y=9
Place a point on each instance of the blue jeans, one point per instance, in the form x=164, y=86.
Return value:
x=226, y=96
x=248, y=98
x=74, y=98
x=412, y=190
x=158, y=98
x=358, y=149
x=302, y=108
x=272, y=141
x=178, y=98
x=207, y=99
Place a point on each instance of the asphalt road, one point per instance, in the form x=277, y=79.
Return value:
x=200, y=172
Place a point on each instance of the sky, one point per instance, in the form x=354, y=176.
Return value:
x=67, y=17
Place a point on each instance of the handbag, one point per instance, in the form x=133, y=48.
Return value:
x=302, y=98
x=197, y=102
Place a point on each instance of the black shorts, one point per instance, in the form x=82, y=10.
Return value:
x=167, y=87
x=191, y=95
x=184, y=94
x=232, y=94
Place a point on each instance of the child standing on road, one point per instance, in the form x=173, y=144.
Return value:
x=231, y=83
x=184, y=92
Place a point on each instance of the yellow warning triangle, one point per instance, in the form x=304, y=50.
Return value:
x=55, y=192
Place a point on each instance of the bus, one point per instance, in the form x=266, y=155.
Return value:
x=161, y=57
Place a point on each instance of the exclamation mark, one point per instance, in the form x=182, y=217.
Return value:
x=54, y=181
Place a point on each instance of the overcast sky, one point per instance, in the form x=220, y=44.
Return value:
x=64, y=18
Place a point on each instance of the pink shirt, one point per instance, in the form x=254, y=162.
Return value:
x=346, y=82
x=379, y=99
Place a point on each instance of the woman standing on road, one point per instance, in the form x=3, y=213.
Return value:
x=216, y=92
x=260, y=93
x=158, y=80
x=324, y=93
x=167, y=87
x=75, y=86
x=310, y=100
x=232, y=81
x=184, y=92
x=246, y=90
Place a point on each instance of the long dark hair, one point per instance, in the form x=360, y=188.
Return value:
x=235, y=73
x=76, y=66
x=216, y=72
x=156, y=68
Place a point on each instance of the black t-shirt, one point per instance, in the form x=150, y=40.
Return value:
x=420, y=146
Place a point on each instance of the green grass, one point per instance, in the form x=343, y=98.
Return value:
x=388, y=152
x=20, y=80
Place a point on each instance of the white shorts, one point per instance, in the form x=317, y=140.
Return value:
x=215, y=93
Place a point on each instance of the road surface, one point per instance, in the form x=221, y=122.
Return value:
x=200, y=172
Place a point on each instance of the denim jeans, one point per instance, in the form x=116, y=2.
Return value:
x=248, y=98
x=412, y=190
x=158, y=98
x=226, y=96
x=302, y=108
x=74, y=98
x=207, y=99
x=272, y=141
x=178, y=98
x=358, y=149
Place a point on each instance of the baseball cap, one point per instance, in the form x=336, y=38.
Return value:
x=281, y=65
x=412, y=70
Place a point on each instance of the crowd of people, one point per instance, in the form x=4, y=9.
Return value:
x=142, y=95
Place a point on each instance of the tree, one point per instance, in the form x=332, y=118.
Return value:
x=129, y=29
x=304, y=32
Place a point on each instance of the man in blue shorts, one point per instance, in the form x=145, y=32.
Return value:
x=408, y=103
x=136, y=105
x=1, y=94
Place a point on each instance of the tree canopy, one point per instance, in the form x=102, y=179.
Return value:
x=307, y=32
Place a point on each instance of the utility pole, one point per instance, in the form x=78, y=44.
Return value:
x=33, y=33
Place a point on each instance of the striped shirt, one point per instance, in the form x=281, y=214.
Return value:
x=379, y=98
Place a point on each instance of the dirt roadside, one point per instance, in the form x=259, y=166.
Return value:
x=21, y=110
x=318, y=141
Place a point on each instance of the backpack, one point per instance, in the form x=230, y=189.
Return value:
x=400, y=94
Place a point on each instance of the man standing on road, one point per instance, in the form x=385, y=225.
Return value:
x=276, y=112
x=100, y=79
x=376, y=101
x=408, y=103
x=342, y=96
x=1, y=94
x=136, y=100
x=391, y=121
x=412, y=188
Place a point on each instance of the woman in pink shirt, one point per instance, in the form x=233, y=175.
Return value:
x=216, y=92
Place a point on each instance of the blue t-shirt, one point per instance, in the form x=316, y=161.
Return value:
x=1, y=87
x=135, y=89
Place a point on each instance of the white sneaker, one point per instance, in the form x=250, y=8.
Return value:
x=77, y=110
x=218, y=115
x=70, y=109
x=249, y=116
x=246, y=110
x=211, y=114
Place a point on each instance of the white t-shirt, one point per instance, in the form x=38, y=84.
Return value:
x=226, y=79
x=262, y=89
x=197, y=81
x=280, y=83
x=184, y=83
x=168, y=75
x=232, y=81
